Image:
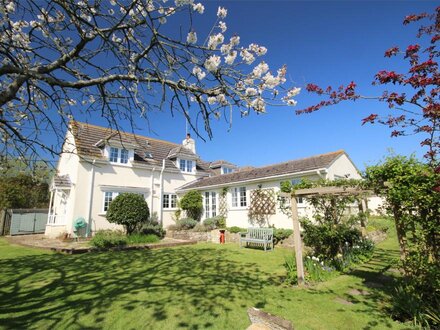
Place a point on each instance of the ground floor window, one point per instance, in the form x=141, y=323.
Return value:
x=239, y=198
x=108, y=197
x=169, y=201
x=210, y=204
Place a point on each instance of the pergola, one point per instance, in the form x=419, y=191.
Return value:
x=309, y=192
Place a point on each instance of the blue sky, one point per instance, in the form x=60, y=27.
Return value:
x=323, y=42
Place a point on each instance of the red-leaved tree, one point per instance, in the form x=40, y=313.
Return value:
x=414, y=112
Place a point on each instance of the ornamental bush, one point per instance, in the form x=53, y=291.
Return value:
x=280, y=234
x=108, y=238
x=186, y=224
x=192, y=203
x=130, y=210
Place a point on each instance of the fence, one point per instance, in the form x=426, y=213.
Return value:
x=23, y=221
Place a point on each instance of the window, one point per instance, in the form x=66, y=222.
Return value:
x=108, y=197
x=226, y=170
x=210, y=204
x=239, y=197
x=118, y=155
x=186, y=165
x=169, y=201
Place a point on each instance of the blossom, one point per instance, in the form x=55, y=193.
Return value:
x=212, y=63
x=251, y=91
x=235, y=40
x=199, y=8
x=247, y=56
x=191, y=37
x=221, y=99
x=212, y=99
x=199, y=73
x=231, y=57
x=292, y=103
x=259, y=50
x=293, y=92
x=222, y=26
x=215, y=40
x=270, y=81
x=222, y=12
x=10, y=7
x=260, y=69
x=259, y=105
x=225, y=49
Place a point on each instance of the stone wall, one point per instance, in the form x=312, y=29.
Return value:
x=209, y=236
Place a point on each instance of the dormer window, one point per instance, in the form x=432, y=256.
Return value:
x=186, y=165
x=226, y=170
x=118, y=155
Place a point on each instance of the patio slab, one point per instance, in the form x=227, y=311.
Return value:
x=82, y=246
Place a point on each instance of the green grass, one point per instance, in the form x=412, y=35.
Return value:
x=195, y=287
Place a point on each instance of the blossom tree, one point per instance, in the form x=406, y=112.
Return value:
x=118, y=59
x=414, y=100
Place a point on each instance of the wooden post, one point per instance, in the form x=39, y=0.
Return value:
x=363, y=210
x=297, y=241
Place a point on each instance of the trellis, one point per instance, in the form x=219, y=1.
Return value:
x=340, y=191
x=263, y=203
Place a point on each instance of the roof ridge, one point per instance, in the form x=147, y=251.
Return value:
x=340, y=151
x=134, y=135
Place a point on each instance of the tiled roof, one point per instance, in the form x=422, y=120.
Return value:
x=219, y=163
x=289, y=167
x=90, y=138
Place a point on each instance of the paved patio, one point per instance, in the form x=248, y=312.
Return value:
x=83, y=246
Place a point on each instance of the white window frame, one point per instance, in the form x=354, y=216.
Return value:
x=239, y=197
x=186, y=165
x=170, y=200
x=105, y=206
x=210, y=204
x=123, y=155
x=226, y=170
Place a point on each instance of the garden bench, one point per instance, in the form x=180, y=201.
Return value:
x=258, y=236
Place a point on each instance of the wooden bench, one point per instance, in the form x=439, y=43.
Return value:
x=258, y=236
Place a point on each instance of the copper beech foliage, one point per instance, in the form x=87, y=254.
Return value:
x=414, y=112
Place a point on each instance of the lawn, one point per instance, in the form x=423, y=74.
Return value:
x=195, y=287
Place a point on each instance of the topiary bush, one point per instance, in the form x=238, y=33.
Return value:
x=130, y=210
x=192, y=203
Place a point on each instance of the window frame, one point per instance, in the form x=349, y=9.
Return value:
x=239, y=197
x=186, y=165
x=171, y=201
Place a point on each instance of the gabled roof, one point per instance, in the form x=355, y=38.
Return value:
x=219, y=163
x=286, y=168
x=90, y=139
x=181, y=151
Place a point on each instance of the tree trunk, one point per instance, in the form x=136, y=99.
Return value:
x=400, y=230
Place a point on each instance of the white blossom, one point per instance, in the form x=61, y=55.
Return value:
x=235, y=40
x=258, y=50
x=212, y=99
x=247, y=56
x=199, y=73
x=221, y=99
x=199, y=8
x=10, y=7
x=215, y=40
x=291, y=102
x=293, y=92
x=251, y=91
x=225, y=49
x=259, y=105
x=180, y=3
x=270, y=81
x=222, y=12
x=191, y=38
x=162, y=20
x=260, y=69
x=212, y=63
x=231, y=57
x=222, y=26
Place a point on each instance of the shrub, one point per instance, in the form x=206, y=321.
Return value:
x=108, y=238
x=153, y=228
x=200, y=227
x=215, y=222
x=210, y=223
x=192, y=203
x=130, y=210
x=235, y=229
x=186, y=223
x=328, y=241
x=280, y=234
x=142, y=239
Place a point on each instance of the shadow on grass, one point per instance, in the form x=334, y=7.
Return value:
x=88, y=291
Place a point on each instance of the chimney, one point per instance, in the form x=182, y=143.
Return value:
x=189, y=143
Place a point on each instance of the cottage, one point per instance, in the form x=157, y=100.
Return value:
x=98, y=163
